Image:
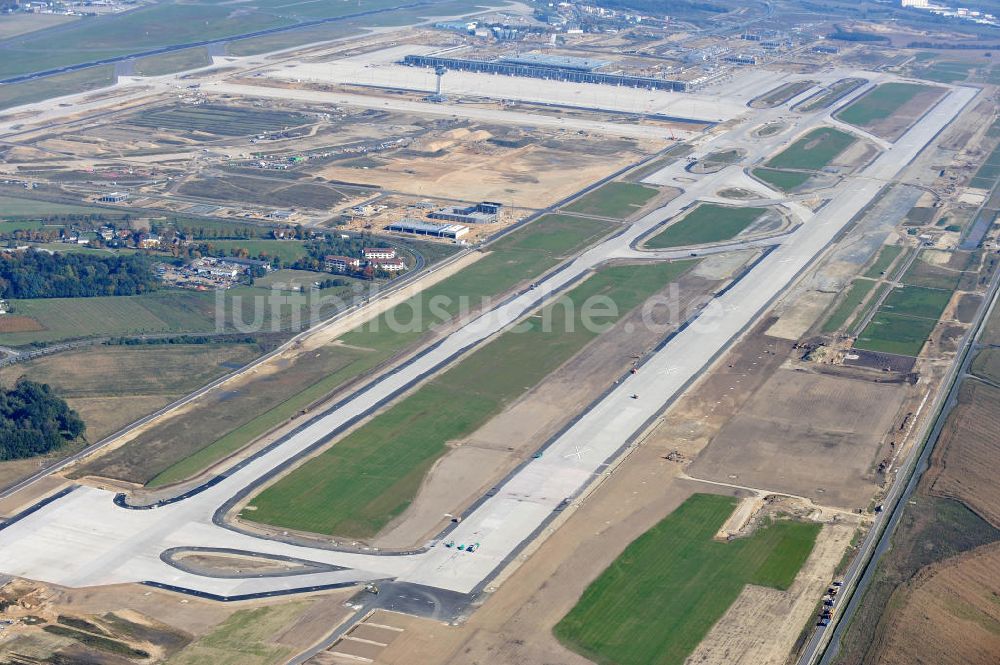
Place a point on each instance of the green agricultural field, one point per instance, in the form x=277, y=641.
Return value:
x=300, y=280
x=785, y=181
x=28, y=92
x=291, y=38
x=150, y=369
x=991, y=330
x=213, y=229
x=880, y=103
x=918, y=301
x=870, y=306
x=617, y=200
x=12, y=207
x=886, y=257
x=328, y=31
x=111, y=386
x=706, y=223
x=988, y=173
x=943, y=72
x=660, y=598
x=365, y=480
x=987, y=365
x=166, y=24
x=70, y=318
x=23, y=225
x=178, y=451
x=13, y=25
x=69, y=248
x=287, y=250
x=130, y=32
x=848, y=304
x=925, y=273
x=170, y=63
x=894, y=333
x=216, y=119
x=814, y=151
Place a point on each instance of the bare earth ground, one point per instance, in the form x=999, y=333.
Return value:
x=475, y=463
x=533, y=176
x=827, y=457
x=893, y=126
x=951, y=615
x=111, y=387
x=102, y=421
x=173, y=616
x=947, y=613
x=761, y=627
x=965, y=458
x=235, y=564
x=16, y=502
x=514, y=624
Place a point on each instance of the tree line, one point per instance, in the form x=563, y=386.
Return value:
x=34, y=420
x=35, y=274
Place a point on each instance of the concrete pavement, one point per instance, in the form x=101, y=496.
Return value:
x=84, y=539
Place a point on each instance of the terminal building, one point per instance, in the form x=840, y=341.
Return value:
x=552, y=67
x=433, y=229
x=481, y=213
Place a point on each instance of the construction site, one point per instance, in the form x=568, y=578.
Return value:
x=459, y=468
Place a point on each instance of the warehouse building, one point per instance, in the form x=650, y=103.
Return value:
x=432, y=229
x=481, y=213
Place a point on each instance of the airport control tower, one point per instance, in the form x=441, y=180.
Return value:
x=439, y=71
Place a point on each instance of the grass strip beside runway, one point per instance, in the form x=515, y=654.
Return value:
x=521, y=255
x=357, y=486
x=617, y=200
x=705, y=223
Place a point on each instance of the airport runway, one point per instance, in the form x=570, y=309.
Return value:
x=84, y=539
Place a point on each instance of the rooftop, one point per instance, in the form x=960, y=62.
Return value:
x=557, y=61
